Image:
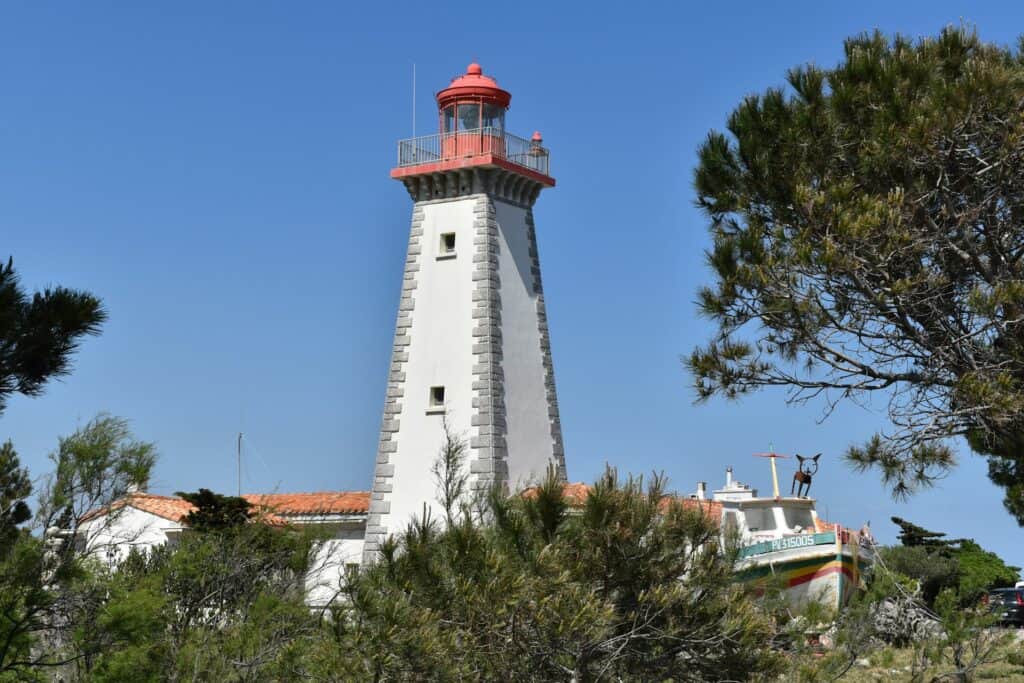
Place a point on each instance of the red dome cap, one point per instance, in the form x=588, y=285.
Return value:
x=473, y=85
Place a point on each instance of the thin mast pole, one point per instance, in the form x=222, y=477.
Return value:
x=414, y=99
x=775, y=476
x=239, y=464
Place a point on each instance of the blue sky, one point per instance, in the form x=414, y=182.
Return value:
x=218, y=173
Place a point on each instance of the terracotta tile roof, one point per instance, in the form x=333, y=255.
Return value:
x=321, y=503
x=276, y=507
x=169, y=507
x=174, y=509
x=711, y=508
x=576, y=493
x=823, y=525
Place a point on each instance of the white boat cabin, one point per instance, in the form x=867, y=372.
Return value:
x=754, y=518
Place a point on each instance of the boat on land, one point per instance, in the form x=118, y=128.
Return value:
x=783, y=541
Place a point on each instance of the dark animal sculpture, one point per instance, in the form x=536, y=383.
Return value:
x=807, y=469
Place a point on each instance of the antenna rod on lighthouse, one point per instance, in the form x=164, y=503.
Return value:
x=414, y=99
x=239, y=464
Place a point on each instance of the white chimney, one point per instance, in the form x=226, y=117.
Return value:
x=702, y=490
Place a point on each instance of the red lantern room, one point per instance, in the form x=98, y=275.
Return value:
x=471, y=133
x=473, y=101
x=472, y=112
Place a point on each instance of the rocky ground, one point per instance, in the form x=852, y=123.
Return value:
x=895, y=664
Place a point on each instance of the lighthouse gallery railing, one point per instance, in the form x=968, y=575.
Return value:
x=429, y=149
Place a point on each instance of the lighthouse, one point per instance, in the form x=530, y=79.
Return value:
x=471, y=347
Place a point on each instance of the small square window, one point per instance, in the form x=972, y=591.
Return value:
x=436, y=402
x=446, y=247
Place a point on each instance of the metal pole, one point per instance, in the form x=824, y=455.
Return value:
x=775, y=476
x=239, y=464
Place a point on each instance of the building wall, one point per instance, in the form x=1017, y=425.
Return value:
x=327, y=571
x=111, y=537
x=474, y=324
x=433, y=347
x=528, y=429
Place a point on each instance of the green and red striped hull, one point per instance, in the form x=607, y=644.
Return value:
x=829, y=570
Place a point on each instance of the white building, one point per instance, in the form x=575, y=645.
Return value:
x=144, y=520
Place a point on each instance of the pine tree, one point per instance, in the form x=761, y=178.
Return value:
x=632, y=586
x=941, y=563
x=216, y=512
x=15, y=488
x=40, y=333
x=868, y=228
x=913, y=535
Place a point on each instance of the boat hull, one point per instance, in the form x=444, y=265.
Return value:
x=825, y=567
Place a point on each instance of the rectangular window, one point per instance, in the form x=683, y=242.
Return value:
x=729, y=524
x=798, y=517
x=435, y=402
x=469, y=117
x=760, y=519
x=494, y=118
x=446, y=247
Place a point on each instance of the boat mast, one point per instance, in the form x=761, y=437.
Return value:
x=772, y=455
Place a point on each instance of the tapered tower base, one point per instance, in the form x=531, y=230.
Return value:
x=471, y=348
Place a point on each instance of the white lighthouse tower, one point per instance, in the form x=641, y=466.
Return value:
x=471, y=342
